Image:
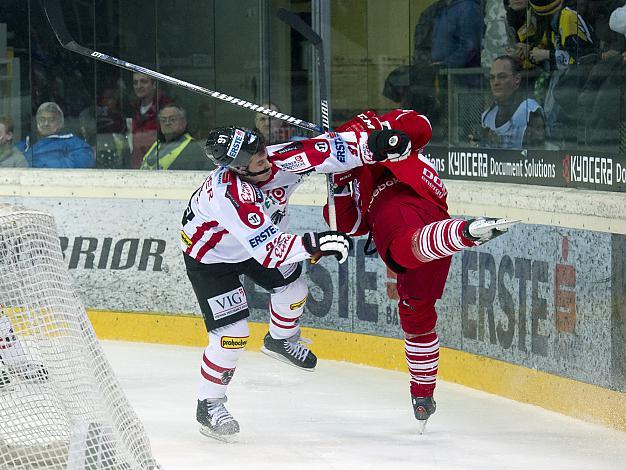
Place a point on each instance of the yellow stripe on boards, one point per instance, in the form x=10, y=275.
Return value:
x=570, y=397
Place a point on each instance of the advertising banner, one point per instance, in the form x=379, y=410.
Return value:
x=618, y=311
x=542, y=297
x=563, y=168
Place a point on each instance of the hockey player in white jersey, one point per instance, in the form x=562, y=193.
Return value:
x=233, y=226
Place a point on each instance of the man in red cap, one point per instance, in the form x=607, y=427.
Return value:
x=401, y=202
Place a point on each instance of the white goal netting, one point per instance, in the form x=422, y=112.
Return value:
x=61, y=406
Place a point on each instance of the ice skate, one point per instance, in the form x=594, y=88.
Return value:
x=423, y=407
x=290, y=350
x=483, y=229
x=215, y=420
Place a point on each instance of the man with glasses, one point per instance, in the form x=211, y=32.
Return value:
x=175, y=148
x=513, y=121
x=54, y=149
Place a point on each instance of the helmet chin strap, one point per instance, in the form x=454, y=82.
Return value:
x=253, y=173
x=257, y=173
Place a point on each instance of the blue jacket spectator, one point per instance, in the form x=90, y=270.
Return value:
x=54, y=149
x=457, y=32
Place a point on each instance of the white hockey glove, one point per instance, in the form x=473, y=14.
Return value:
x=389, y=144
x=483, y=229
x=327, y=243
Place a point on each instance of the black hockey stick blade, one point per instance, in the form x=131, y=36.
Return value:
x=54, y=14
x=299, y=25
x=52, y=8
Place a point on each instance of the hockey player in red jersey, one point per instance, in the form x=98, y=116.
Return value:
x=401, y=202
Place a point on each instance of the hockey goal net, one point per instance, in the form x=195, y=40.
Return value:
x=61, y=406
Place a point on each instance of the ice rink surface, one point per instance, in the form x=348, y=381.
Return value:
x=344, y=416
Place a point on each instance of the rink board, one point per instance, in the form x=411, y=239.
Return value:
x=519, y=383
x=543, y=306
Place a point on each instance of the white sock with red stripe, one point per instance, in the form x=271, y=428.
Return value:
x=286, y=307
x=440, y=240
x=422, y=357
x=220, y=358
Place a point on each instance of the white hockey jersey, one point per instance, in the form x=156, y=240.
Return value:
x=229, y=220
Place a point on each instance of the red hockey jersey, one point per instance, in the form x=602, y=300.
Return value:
x=417, y=171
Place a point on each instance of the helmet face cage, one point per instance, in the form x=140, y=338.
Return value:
x=232, y=146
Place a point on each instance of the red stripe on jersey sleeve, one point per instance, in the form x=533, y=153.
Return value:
x=199, y=233
x=211, y=242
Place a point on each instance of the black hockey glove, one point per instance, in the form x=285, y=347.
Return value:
x=327, y=243
x=389, y=144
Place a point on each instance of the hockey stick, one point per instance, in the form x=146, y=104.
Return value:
x=297, y=24
x=55, y=18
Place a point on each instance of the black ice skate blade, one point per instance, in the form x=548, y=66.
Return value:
x=205, y=431
x=282, y=358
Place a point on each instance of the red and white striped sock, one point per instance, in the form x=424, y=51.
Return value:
x=215, y=377
x=226, y=344
x=282, y=327
x=422, y=357
x=286, y=308
x=439, y=240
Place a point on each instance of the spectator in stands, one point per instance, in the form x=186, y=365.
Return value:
x=145, y=109
x=410, y=88
x=447, y=35
x=111, y=148
x=525, y=31
x=175, y=148
x=598, y=12
x=617, y=21
x=273, y=130
x=109, y=118
x=10, y=156
x=600, y=97
x=513, y=121
x=456, y=34
x=570, y=55
x=203, y=121
x=54, y=149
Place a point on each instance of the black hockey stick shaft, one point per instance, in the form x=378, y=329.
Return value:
x=315, y=39
x=57, y=22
